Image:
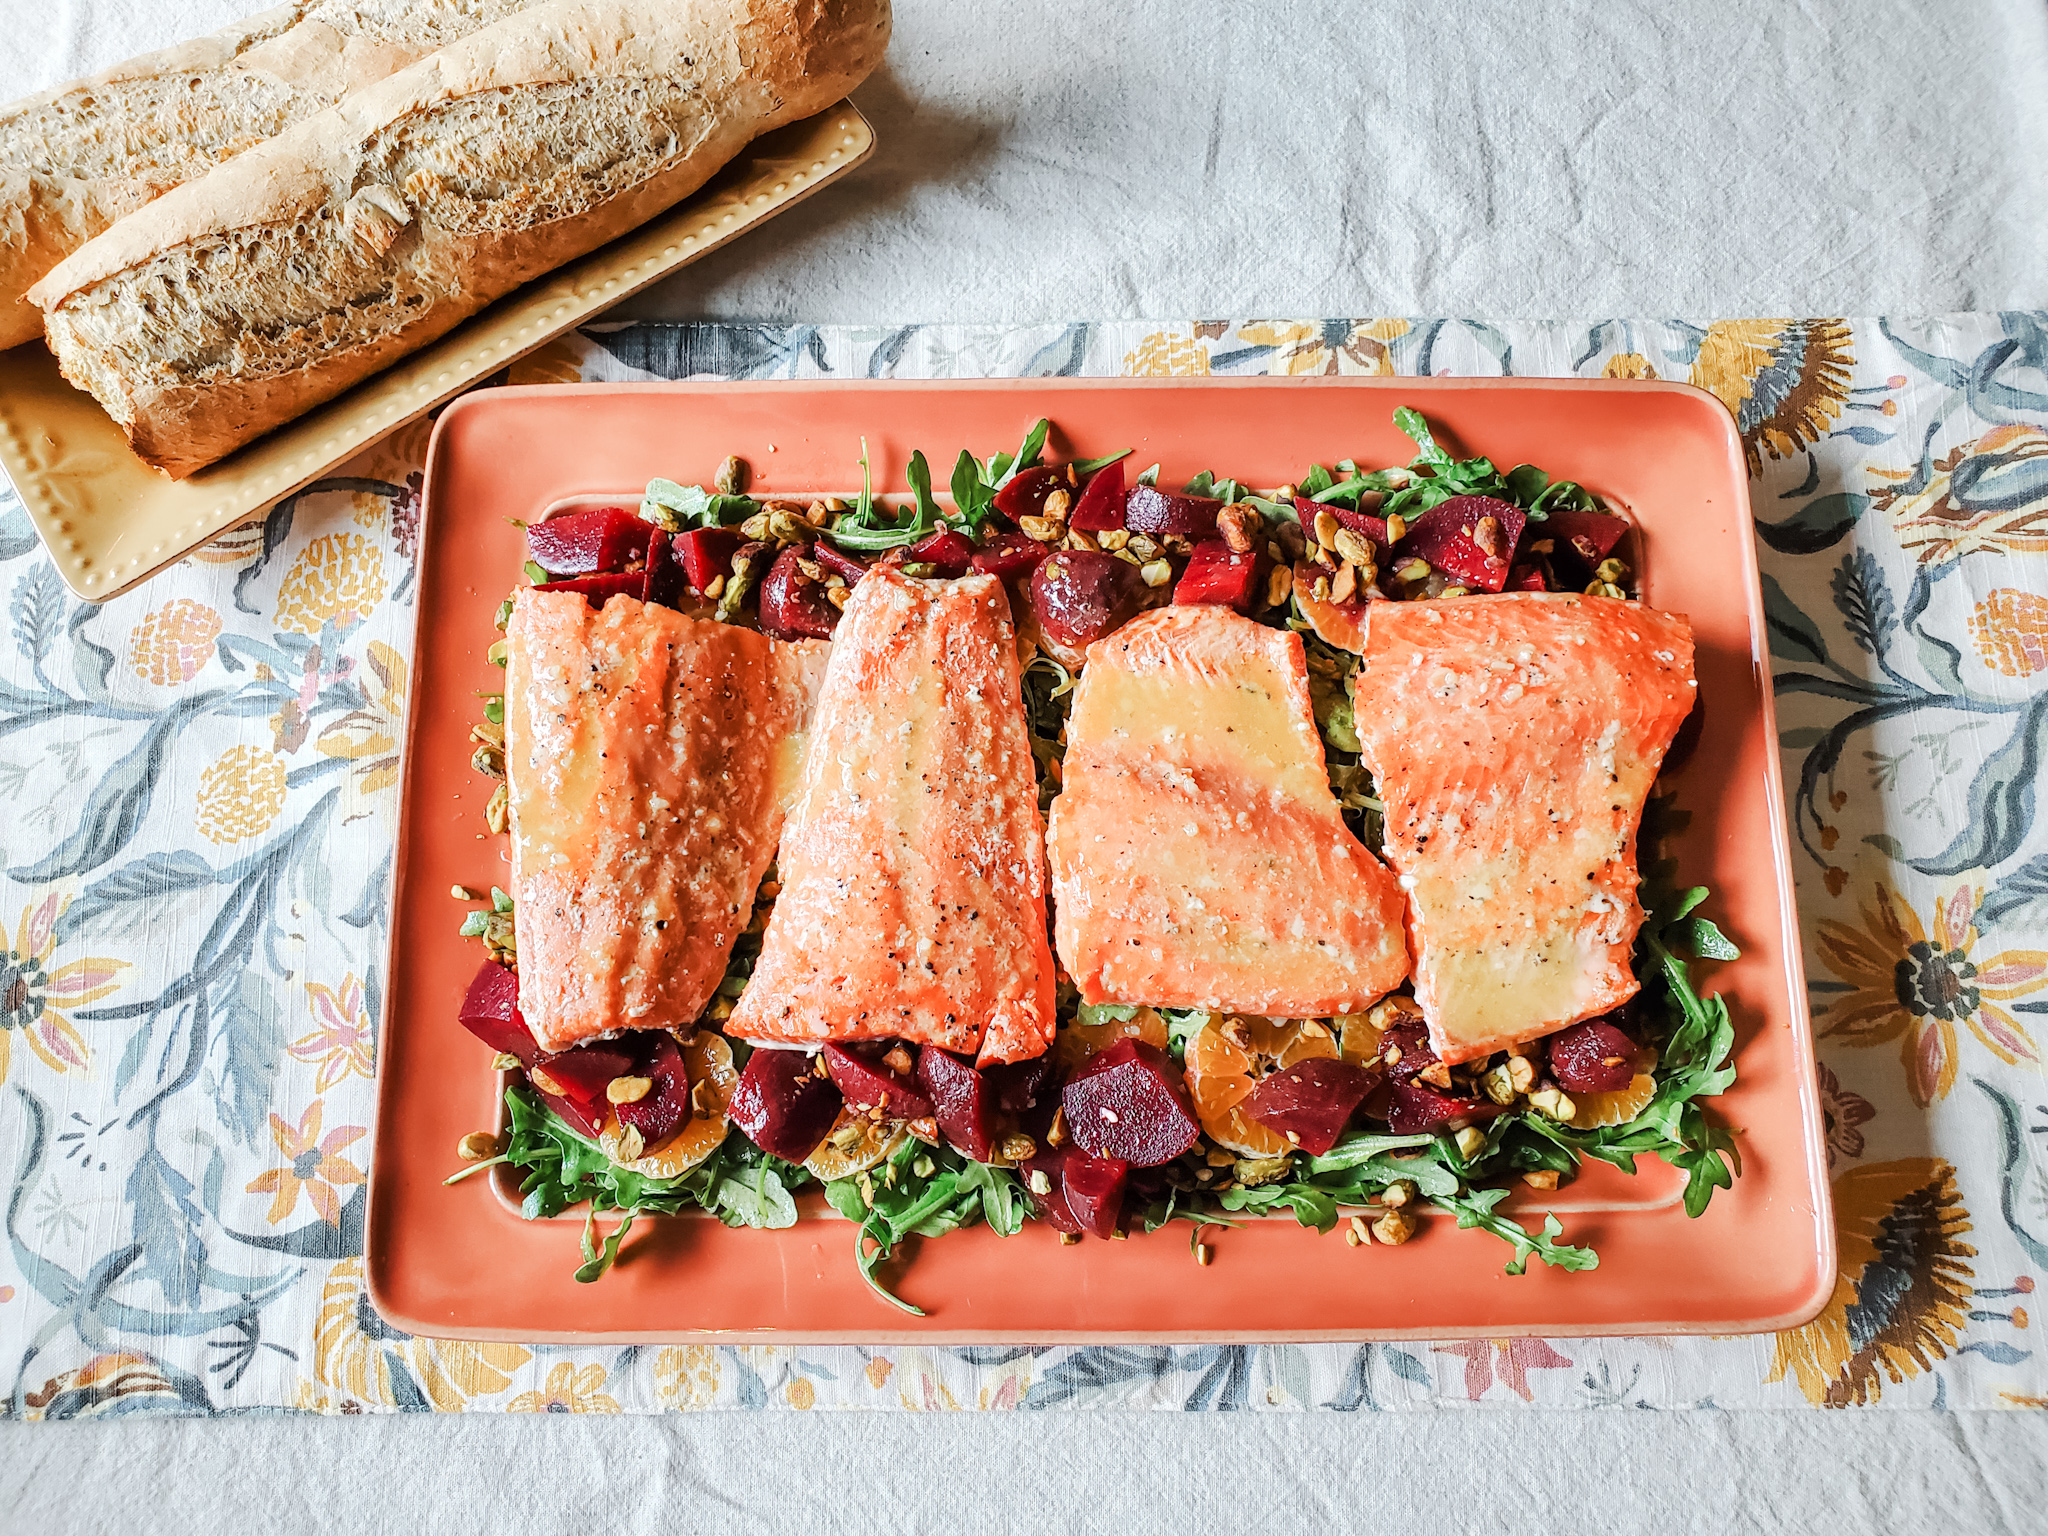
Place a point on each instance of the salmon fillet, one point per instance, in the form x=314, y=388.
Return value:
x=1199, y=859
x=1514, y=739
x=913, y=868
x=650, y=758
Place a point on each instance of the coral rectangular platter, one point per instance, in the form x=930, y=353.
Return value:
x=109, y=521
x=459, y=1262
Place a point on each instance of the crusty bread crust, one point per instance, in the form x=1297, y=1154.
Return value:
x=76, y=158
x=304, y=265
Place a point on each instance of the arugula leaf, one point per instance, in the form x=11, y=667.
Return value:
x=1106, y=1013
x=1028, y=453
x=1317, y=479
x=754, y=1197
x=1415, y=425
x=870, y=526
x=596, y=1259
x=891, y=1205
x=973, y=497
x=1149, y=476
x=677, y=507
x=1475, y=1208
x=738, y=1183
x=918, y=475
x=1089, y=466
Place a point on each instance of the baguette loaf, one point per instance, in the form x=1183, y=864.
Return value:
x=74, y=159
x=304, y=265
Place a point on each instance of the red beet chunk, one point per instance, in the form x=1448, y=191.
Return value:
x=1129, y=1102
x=1151, y=510
x=1025, y=495
x=951, y=551
x=666, y=579
x=782, y=1104
x=1018, y=1084
x=490, y=1011
x=1101, y=506
x=793, y=606
x=667, y=1104
x=1094, y=1190
x=706, y=553
x=963, y=1100
x=1405, y=1050
x=583, y=1073
x=1080, y=595
x=587, y=1118
x=1311, y=1101
x=1444, y=536
x=1593, y=1057
x=838, y=562
x=1010, y=556
x=1525, y=578
x=1374, y=528
x=1416, y=1107
x=1217, y=575
x=596, y=589
x=581, y=543
x=1052, y=1200
x=1592, y=536
x=867, y=1080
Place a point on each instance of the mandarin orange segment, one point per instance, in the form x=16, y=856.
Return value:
x=876, y=1139
x=1077, y=1041
x=1226, y=1059
x=1358, y=1041
x=1596, y=1111
x=708, y=1061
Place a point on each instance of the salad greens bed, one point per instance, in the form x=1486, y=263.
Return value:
x=922, y=1189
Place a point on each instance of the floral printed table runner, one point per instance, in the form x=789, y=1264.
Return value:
x=198, y=802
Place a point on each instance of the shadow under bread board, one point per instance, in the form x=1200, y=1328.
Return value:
x=460, y=1262
x=110, y=521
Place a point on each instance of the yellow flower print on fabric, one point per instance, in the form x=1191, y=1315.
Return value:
x=2010, y=630
x=1164, y=354
x=1786, y=382
x=313, y=1166
x=342, y=1044
x=686, y=1378
x=1915, y=983
x=33, y=990
x=1901, y=1269
x=1628, y=365
x=567, y=1390
x=339, y=576
x=240, y=794
x=367, y=738
x=354, y=1351
x=1983, y=495
x=1319, y=347
x=174, y=643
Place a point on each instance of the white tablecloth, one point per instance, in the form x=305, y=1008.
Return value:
x=1043, y=162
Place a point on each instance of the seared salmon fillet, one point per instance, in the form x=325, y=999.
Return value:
x=1199, y=859
x=650, y=758
x=1514, y=739
x=913, y=867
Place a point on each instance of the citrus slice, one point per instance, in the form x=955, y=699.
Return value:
x=855, y=1144
x=708, y=1061
x=1358, y=1038
x=1077, y=1042
x=1225, y=1061
x=1596, y=1111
